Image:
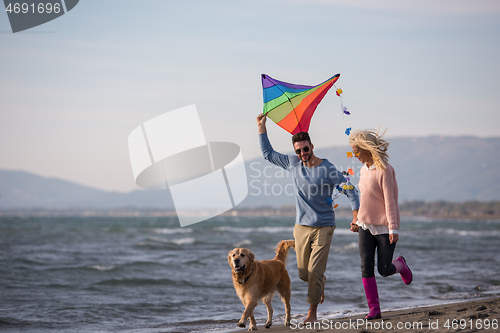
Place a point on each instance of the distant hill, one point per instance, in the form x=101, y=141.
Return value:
x=23, y=190
x=453, y=169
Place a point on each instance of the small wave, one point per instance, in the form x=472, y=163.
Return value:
x=271, y=230
x=135, y=282
x=102, y=267
x=183, y=241
x=168, y=231
x=344, y=231
x=340, y=314
x=119, y=230
x=351, y=246
x=347, y=247
x=458, y=296
x=7, y=321
x=494, y=233
x=243, y=243
x=177, y=241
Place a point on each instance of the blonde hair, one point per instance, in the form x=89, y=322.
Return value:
x=373, y=142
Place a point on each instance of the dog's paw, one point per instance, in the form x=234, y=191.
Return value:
x=287, y=323
x=253, y=328
x=241, y=324
x=268, y=324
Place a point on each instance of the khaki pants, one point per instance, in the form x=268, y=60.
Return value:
x=312, y=246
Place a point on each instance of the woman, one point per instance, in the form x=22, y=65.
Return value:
x=378, y=217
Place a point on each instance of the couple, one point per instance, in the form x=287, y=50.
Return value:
x=314, y=181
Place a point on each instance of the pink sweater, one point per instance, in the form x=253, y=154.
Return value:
x=379, y=197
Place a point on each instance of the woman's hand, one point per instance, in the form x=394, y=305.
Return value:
x=393, y=238
x=354, y=226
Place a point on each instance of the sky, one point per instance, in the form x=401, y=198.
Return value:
x=73, y=89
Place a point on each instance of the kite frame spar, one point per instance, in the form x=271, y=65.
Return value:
x=280, y=97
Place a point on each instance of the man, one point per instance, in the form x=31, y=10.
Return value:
x=315, y=179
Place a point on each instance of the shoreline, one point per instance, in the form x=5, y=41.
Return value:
x=232, y=213
x=479, y=315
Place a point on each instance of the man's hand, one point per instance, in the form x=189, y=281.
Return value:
x=354, y=224
x=261, y=122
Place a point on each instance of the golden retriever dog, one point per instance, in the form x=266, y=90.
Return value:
x=254, y=280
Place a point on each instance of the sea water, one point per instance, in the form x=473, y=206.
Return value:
x=147, y=274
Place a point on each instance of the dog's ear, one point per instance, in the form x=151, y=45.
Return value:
x=251, y=255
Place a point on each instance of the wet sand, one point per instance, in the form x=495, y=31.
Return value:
x=481, y=315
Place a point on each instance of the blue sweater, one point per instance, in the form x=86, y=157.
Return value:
x=313, y=186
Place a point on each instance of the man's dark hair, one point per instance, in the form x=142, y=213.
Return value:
x=301, y=136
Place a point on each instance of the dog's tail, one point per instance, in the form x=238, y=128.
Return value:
x=282, y=249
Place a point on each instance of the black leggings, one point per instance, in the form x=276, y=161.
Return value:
x=385, y=250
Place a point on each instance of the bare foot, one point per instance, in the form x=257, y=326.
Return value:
x=311, y=314
x=323, y=293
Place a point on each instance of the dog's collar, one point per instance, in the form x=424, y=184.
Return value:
x=246, y=279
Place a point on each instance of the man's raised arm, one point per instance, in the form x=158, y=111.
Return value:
x=261, y=123
x=268, y=152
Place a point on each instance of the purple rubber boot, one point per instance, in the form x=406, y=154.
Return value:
x=372, y=297
x=403, y=269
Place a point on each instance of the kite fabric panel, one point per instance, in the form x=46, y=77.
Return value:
x=291, y=106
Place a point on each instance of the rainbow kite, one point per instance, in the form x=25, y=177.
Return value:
x=291, y=106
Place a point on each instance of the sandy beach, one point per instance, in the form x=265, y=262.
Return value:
x=481, y=315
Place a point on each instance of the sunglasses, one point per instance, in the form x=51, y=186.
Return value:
x=356, y=153
x=305, y=150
